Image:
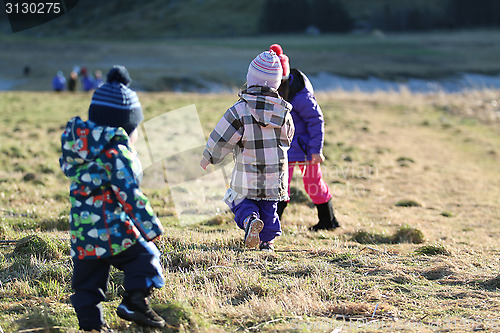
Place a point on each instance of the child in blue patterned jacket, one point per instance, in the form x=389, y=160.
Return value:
x=258, y=130
x=112, y=222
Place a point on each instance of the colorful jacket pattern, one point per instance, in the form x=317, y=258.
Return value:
x=109, y=212
x=258, y=130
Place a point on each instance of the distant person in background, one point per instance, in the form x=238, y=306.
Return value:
x=306, y=150
x=73, y=81
x=98, y=79
x=87, y=80
x=59, y=82
x=27, y=70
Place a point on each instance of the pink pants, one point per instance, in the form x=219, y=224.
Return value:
x=314, y=184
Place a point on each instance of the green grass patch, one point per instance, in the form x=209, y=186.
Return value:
x=405, y=234
x=370, y=237
x=43, y=247
x=407, y=203
x=433, y=250
x=408, y=234
x=405, y=161
x=180, y=317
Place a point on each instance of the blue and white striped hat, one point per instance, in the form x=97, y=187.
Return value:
x=115, y=104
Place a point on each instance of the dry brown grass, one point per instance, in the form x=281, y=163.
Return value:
x=314, y=281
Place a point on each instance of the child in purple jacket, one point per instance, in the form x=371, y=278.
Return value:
x=306, y=150
x=258, y=130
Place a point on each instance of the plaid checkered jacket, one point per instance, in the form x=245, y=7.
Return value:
x=258, y=129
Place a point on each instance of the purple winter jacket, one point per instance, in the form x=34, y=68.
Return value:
x=307, y=118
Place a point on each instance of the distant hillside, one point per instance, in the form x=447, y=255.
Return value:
x=156, y=19
x=125, y=19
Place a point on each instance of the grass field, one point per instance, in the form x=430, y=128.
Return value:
x=416, y=188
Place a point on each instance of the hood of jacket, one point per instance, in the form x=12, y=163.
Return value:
x=266, y=106
x=81, y=143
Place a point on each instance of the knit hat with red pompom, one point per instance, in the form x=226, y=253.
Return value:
x=285, y=63
x=265, y=70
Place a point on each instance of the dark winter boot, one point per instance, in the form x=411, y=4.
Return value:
x=281, y=207
x=327, y=220
x=135, y=307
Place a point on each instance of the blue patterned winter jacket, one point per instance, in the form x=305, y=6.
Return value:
x=109, y=213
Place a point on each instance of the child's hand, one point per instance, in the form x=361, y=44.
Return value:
x=317, y=158
x=204, y=163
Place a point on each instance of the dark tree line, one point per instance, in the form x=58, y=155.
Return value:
x=471, y=13
x=297, y=15
x=332, y=16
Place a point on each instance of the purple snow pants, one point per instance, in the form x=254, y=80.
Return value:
x=262, y=209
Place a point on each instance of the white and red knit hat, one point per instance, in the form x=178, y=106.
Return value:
x=265, y=70
x=285, y=63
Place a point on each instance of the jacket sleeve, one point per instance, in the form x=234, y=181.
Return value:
x=224, y=138
x=309, y=110
x=126, y=188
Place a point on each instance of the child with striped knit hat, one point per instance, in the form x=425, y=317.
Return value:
x=258, y=130
x=112, y=222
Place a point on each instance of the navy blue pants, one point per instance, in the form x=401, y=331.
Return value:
x=262, y=209
x=141, y=268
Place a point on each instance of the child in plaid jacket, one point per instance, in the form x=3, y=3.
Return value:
x=258, y=130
